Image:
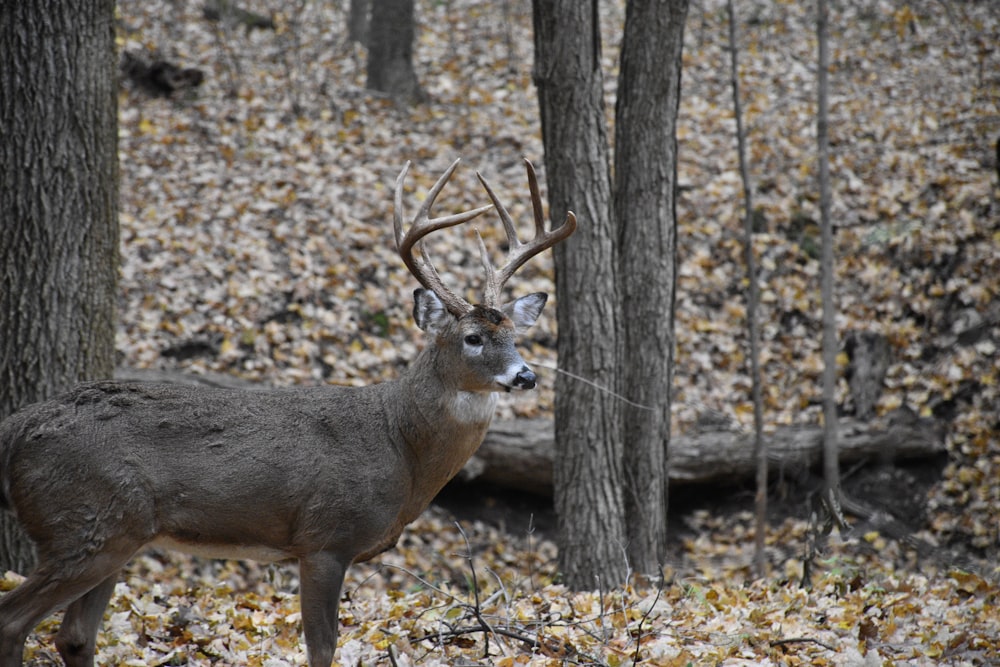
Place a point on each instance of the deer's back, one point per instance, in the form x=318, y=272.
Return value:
x=290, y=467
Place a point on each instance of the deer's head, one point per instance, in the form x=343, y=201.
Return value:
x=477, y=340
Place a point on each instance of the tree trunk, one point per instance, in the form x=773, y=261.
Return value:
x=588, y=466
x=870, y=356
x=390, y=51
x=357, y=21
x=645, y=188
x=58, y=204
x=759, y=444
x=831, y=470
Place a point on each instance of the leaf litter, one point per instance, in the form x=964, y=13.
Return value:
x=256, y=242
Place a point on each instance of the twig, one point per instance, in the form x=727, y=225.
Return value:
x=638, y=638
x=595, y=386
x=421, y=580
x=802, y=640
x=477, y=610
x=531, y=551
x=505, y=627
x=826, y=509
x=531, y=640
x=604, y=625
x=501, y=591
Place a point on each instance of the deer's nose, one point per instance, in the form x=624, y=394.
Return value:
x=525, y=378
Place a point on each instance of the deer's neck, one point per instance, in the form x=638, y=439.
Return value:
x=473, y=408
x=430, y=388
x=440, y=425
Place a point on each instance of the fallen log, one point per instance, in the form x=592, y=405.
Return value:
x=518, y=454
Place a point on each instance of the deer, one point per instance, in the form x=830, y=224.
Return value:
x=326, y=476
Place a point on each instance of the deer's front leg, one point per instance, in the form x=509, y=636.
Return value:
x=321, y=575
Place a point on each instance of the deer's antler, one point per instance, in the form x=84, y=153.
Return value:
x=422, y=225
x=518, y=253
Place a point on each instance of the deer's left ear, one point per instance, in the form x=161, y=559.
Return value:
x=524, y=312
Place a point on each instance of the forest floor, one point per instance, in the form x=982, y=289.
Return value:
x=256, y=242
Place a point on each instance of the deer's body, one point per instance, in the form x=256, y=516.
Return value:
x=254, y=455
x=327, y=476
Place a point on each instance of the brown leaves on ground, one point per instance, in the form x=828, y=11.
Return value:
x=417, y=605
x=256, y=241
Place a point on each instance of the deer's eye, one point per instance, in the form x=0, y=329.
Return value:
x=474, y=339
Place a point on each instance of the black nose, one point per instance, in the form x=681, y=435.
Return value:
x=525, y=379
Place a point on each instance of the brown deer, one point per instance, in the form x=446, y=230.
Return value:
x=328, y=476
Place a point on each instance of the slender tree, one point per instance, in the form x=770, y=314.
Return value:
x=58, y=204
x=831, y=464
x=753, y=298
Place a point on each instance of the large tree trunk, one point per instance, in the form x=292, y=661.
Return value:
x=58, y=204
x=390, y=50
x=645, y=188
x=588, y=465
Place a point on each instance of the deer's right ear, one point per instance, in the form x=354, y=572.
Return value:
x=429, y=311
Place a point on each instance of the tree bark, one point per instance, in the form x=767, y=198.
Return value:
x=645, y=204
x=831, y=469
x=59, y=207
x=588, y=464
x=357, y=21
x=759, y=444
x=390, y=51
x=870, y=356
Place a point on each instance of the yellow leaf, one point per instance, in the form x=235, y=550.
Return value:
x=969, y=582
x=10, y=581
x=903, y=17
x=243, y=623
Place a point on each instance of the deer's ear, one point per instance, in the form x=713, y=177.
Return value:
x=429, y=311
x=524, y=312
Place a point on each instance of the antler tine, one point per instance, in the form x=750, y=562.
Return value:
x=422, y=225
x=518, y=253
x=536, y=199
